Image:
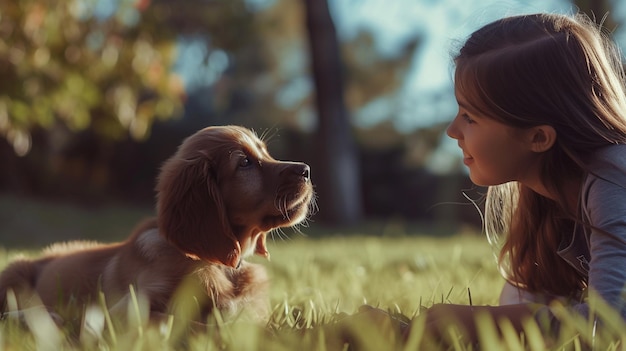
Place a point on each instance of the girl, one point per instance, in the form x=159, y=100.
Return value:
x=542, y=123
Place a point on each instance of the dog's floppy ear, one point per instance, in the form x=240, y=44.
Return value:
x=190, y=211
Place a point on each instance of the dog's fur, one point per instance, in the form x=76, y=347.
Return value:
x=217, y=198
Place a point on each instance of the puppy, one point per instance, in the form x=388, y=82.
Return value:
x=217, y=198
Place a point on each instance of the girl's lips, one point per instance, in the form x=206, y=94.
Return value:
x=466, y=158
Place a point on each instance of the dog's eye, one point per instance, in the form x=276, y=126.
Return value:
x=245, y=162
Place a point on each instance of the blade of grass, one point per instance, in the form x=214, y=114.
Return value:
x=107, y=318
x=487, y=332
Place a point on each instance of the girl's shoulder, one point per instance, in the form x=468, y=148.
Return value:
x=604, y=187
x=608, y=163
x=612, y=154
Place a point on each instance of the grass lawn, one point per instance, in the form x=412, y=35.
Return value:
x=316, y=280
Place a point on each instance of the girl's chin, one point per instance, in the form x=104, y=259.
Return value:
x=477, y=180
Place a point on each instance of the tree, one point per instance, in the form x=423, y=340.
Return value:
x=337, y=164
x=81, y=80
x=66, y=64
x=79, y=66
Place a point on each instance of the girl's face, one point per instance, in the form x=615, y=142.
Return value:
x=494, y=152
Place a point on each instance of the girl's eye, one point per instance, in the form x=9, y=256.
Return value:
x=245, y=162
x=467, y=118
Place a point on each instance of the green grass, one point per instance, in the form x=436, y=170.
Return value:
x=316, y=282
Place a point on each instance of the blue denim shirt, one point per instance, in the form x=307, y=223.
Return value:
x=599, y=248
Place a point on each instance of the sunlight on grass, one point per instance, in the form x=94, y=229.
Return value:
x=400, y=272
x=316, y=283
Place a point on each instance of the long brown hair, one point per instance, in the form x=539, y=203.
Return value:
x=544, y=69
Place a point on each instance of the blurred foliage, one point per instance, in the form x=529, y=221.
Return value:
x=63, y=62
x=25, y=223
x=84, y=66
x=96, y=94
x=81, y=65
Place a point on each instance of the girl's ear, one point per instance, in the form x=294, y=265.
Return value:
x=542, y=138
x=191, y=214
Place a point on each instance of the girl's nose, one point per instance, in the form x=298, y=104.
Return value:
x=452, y=130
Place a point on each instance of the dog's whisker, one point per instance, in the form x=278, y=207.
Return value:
x=304, y=223
x=279, y=233
x=268, y=134
x=281, y=204
x=312, y=208
x=283, y=236
x=272, y=232
x=276, y=203
x=296, y=229
x=265, y=136
x=286, y=209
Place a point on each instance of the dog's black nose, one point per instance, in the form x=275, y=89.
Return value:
x=306, y=171
x=300, y=170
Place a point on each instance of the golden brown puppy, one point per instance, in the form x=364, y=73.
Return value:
x=217, y=198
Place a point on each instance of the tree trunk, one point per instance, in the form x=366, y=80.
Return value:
x=336, y=170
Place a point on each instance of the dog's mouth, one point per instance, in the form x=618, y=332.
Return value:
x=291, y=208
x=260, y=247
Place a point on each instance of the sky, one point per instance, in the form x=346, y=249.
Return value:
x=427, y=95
